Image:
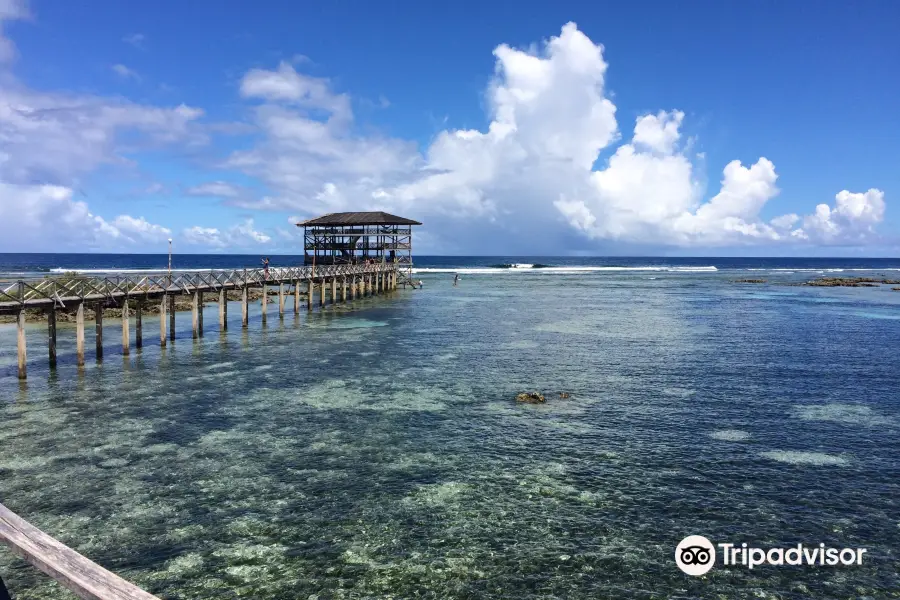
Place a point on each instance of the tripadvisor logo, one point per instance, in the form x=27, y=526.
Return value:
x=696, y=555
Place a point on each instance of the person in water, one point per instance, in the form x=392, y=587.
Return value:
x=455, y=279
x=265, y=262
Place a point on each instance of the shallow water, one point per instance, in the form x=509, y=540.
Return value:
x=378, y=452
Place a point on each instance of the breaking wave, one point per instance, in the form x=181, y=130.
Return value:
x=537, y=268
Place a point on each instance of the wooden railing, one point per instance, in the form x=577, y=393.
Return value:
x=82, y=577
x=50, y=291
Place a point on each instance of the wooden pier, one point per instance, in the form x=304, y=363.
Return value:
x=138, y=291
x=73, y=571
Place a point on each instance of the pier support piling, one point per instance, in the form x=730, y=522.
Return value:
x=51, y=336
x=343, y=289
x=334, y=290
x=195, y=314
x=20, y=343
x=265, y=302
x=172, y=318
x=281, y=300
x=139, y=325
x=162, y=321
x=296, y=297
x=322, y=294
x=245, y=307
x=310, y=288
x=98, y=330
x=126, y=350
x=79, y=334
x=223, y=310
x=200, y=313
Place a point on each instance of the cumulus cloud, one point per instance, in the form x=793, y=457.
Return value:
x=522, y=184
x=28, y=212
x=239, y=236
x=53, y=138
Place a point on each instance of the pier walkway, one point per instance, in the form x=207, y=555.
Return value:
x=131, y=293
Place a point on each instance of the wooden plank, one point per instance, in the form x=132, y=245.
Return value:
x=82, y=577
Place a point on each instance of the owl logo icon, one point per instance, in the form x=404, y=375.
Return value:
x=695, y=555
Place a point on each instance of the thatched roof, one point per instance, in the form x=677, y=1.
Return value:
x=358, y=218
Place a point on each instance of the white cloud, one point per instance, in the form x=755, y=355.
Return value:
x=135, y=39
x=852, y=219
x=238, y=236
x=10, y=10
x=215, y=188
x=659, y=132
x=125, y=72
x=30, y=213
x=54, y=138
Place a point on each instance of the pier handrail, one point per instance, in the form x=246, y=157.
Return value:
x=36, y=293
x=79, y=575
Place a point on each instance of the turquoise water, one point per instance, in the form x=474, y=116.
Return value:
x=376, y=450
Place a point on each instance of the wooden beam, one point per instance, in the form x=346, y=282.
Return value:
x=85, y=579
x=79, y=334
x=343, y=289
x=296, y=297
x=281, y=300
x=125, y=336
x=20, y=343
x=51, y=336
x=309, y=296
x=322, y=294
x=334, y=290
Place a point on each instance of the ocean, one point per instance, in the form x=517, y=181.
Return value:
x=376, y=450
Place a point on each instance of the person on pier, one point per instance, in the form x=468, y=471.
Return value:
x=265, y=262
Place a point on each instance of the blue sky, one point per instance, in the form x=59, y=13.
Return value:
x=221, y=123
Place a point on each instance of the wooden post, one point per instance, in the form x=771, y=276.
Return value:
x=125, y=335
x=343, y=289
x=172, y=318
x=296, y=297
x=200, y=311
x=162, y=321
x=195, y=316
x=51, y=335
x=79, y=334
x=310, y=288
x=265, y=302
x=139, y=325
x=322, y=294
x=352, y=287
x=334, y=290
x=223, y=310
x=281, y=300
x=245, y=307
x=98, y=329
x=20, y=340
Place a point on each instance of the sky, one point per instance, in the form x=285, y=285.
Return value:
x=518, y=128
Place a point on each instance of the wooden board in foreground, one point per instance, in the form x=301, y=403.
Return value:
x=73, y=571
